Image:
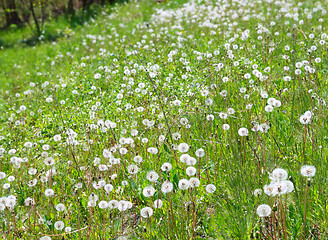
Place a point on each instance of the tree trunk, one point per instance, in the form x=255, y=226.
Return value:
x=34, y=18
x=70, y=7
x=11, y=13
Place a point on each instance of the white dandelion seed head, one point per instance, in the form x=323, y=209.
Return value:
x=263, y=210
x=308, y=171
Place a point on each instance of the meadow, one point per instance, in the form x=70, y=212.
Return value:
x=170, y=120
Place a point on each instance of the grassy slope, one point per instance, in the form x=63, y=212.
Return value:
x=230, y=163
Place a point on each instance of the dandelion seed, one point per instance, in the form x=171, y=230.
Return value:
x=183, y=147
x=59, y=225
x=308, y=171
x=60, y=207
x=263, y=210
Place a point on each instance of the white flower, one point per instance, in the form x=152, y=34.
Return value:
x=113, y=204
x=270, y=190
x=289, y=185
x=158, y=203
x=308, y=171
x=29, y=202
x=190, y=171
x=257, y=192
x=305, y=119
x=243, y=132
x=57, y=138
x=133, y=169
x=200, y=153
x=279, y=174
x=138, y=159
x=184, y=184
x=60, y=207
x=108, y=187
x=263, y=210
x=152, y=176
x=166, y=167
x=45, y=238
x=183, y=147
x=167, y=187
x=268, y=108
x=184, y=157
x=148, y=191
x=49, y=192
x=146, y=212
x=103, y=204
x=210, y=188
x=59, y=225
x=194, y=182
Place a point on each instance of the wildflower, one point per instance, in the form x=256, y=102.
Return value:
x=148, y=191
x=200, y=153
x=146, y=212
x=60, y=207
x=49, y=192
x=113, y=204
x=257, y=192
x=279, y=174
x=59, y=225
x=191, y=171
x=167, y=187
x=263, y=210
x=184, y=184
x=308, y=171
x=152, y=176
x=183, y=147
x=158, y=203
x=103, y=204
x=166, y=167
x=184, y=157
x=133, y=169
x=194, y=182
x=210, y=188
x=243, y=132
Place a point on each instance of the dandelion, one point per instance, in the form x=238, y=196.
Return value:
x=103, y=204
x=184, y=157
x=166, y=167
x=148, y=191
x=57, y=138
x=308, y=171
x=152, y=176
x=158, y=203
x=279, y=174
x=184, y=184
x=146, y=212
x=60, y=207
x=183, y=147
x=113, y=204
x=243, y=132
x=49, y=192
x=263, y=210
x=59, y=225
x=133, y=169
x=305, y=119
x=200, y=153
x=257, y=192
x=190, y=171
x=210, y=188
x=194, y=182
x=167, y=187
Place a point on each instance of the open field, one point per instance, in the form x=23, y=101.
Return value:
x=171, y=120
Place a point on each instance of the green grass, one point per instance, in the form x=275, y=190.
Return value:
x=67, y=94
